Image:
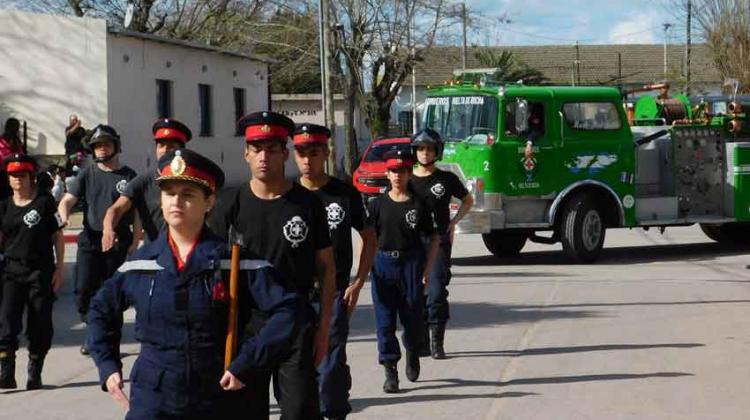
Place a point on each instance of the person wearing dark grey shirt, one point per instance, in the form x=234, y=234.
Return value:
x=98, y=185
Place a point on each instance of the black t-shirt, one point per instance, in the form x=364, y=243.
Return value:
x=400, y=225
x=99, y=189
x=287, y=231
x=73, y=140
x=27, y=231
x=436, y=191
x=146, y=198
x=344, y=210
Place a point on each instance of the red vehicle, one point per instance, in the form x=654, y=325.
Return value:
x=369, y=178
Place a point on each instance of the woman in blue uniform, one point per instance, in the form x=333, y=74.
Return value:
x=400, y=271
x=178, y=287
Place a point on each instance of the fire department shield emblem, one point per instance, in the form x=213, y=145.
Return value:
x=120, y=186
x=529, y=167
x=335, y=215
x=438, y=190
x=295, y=231
x=32, y=218
x=411, y=218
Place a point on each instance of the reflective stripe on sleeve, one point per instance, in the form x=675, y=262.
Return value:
x=140, y=265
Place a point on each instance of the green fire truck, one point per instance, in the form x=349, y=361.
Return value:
x=589, y=170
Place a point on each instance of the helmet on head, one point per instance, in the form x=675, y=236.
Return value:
x=100, y=134
x=427, y=136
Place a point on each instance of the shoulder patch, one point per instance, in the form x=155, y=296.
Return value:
x=140, y=265
x=246, y=264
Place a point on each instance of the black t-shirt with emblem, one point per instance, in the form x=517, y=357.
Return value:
x=99, y=189
x=287, y=231
x=27, y=230
x=344, y=210
x=400, y=225
x=146, y=198
x=436, y=191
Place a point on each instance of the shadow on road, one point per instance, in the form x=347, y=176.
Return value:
x=359, y=404
x=615, y=256
x=543, y=351
x=473, y=315
x=592, y=378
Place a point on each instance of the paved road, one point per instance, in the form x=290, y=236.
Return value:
x=659, y=329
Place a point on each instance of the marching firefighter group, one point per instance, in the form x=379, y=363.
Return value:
x=286, y=245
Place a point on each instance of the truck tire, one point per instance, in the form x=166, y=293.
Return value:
x=582, y=229
x=728, y=233
x=504, y=243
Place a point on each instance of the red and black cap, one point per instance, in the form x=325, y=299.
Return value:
x=398, y=158
x=187, y=165
x=169, y=129
x=266, y=125
x=311, y=134
x=20, y=163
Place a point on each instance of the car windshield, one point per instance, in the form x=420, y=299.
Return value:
x=459, y=118
x=376, y=152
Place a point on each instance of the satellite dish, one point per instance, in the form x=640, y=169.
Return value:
x=129, y=16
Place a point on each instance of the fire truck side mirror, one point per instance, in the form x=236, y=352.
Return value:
x=522, y=115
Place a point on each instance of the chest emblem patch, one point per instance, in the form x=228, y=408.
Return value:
x=32, y=218
x=438, y=190
x=120, y=186
x=295, y=231
x=411, y=218
x=336, y=215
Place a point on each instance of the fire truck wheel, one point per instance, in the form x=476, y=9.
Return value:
x=504, y=243
x=728, y=233
x=582, y=229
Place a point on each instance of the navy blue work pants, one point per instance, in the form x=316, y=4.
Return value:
x=438, y=309
x=397, y=290
x=334, y=377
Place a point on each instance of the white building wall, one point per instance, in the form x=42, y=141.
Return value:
x=52, y=66
x=134, y=65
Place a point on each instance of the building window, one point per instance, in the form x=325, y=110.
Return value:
x=206, y=109
x=163, y=98
x=239, y=107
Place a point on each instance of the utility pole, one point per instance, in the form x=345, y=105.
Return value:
x=666, y=26
x=326, y=88
x=687, y=46
x=578, y=64
x=619, y=70
x=463, y=48
x=413, y=53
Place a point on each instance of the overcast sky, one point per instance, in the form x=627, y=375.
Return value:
x=544, y=22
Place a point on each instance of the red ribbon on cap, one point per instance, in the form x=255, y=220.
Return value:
x=394, y=163
x=310, y=138
x=190, y=172
x=265, y=131
x=14, y=167
x=171, y=134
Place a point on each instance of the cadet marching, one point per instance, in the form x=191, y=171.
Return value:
x=238, y=290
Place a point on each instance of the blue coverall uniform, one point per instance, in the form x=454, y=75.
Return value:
x=181, y=323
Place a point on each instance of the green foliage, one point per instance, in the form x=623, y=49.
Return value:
x=509, y=68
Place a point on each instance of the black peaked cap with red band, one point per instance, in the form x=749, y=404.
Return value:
x=20, y=163
x=398, y=158
x=266, y=125
x=187, y=165
x=170, y=129
x=309, y=134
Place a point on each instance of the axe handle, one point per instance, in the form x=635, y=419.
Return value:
x=234, y=274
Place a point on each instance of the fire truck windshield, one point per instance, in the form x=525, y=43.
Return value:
x=460, y=118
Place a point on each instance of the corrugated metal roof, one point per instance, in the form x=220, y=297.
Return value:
x=641, y=63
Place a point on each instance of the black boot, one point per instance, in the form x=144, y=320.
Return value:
x=412, y=366
x=7, y=371
x=424, y=351
x=436, y=344
x=390, y=386
x=34, y=380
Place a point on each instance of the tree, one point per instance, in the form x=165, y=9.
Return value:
x=508, y=67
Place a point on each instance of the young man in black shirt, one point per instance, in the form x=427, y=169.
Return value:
x=98, y=185
x=345, y=210
x=30, y=230
x=401, y=271
x=286, y=224
x=435, y=188
x=142, y=192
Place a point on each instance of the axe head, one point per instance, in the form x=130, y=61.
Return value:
x=235, y=237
